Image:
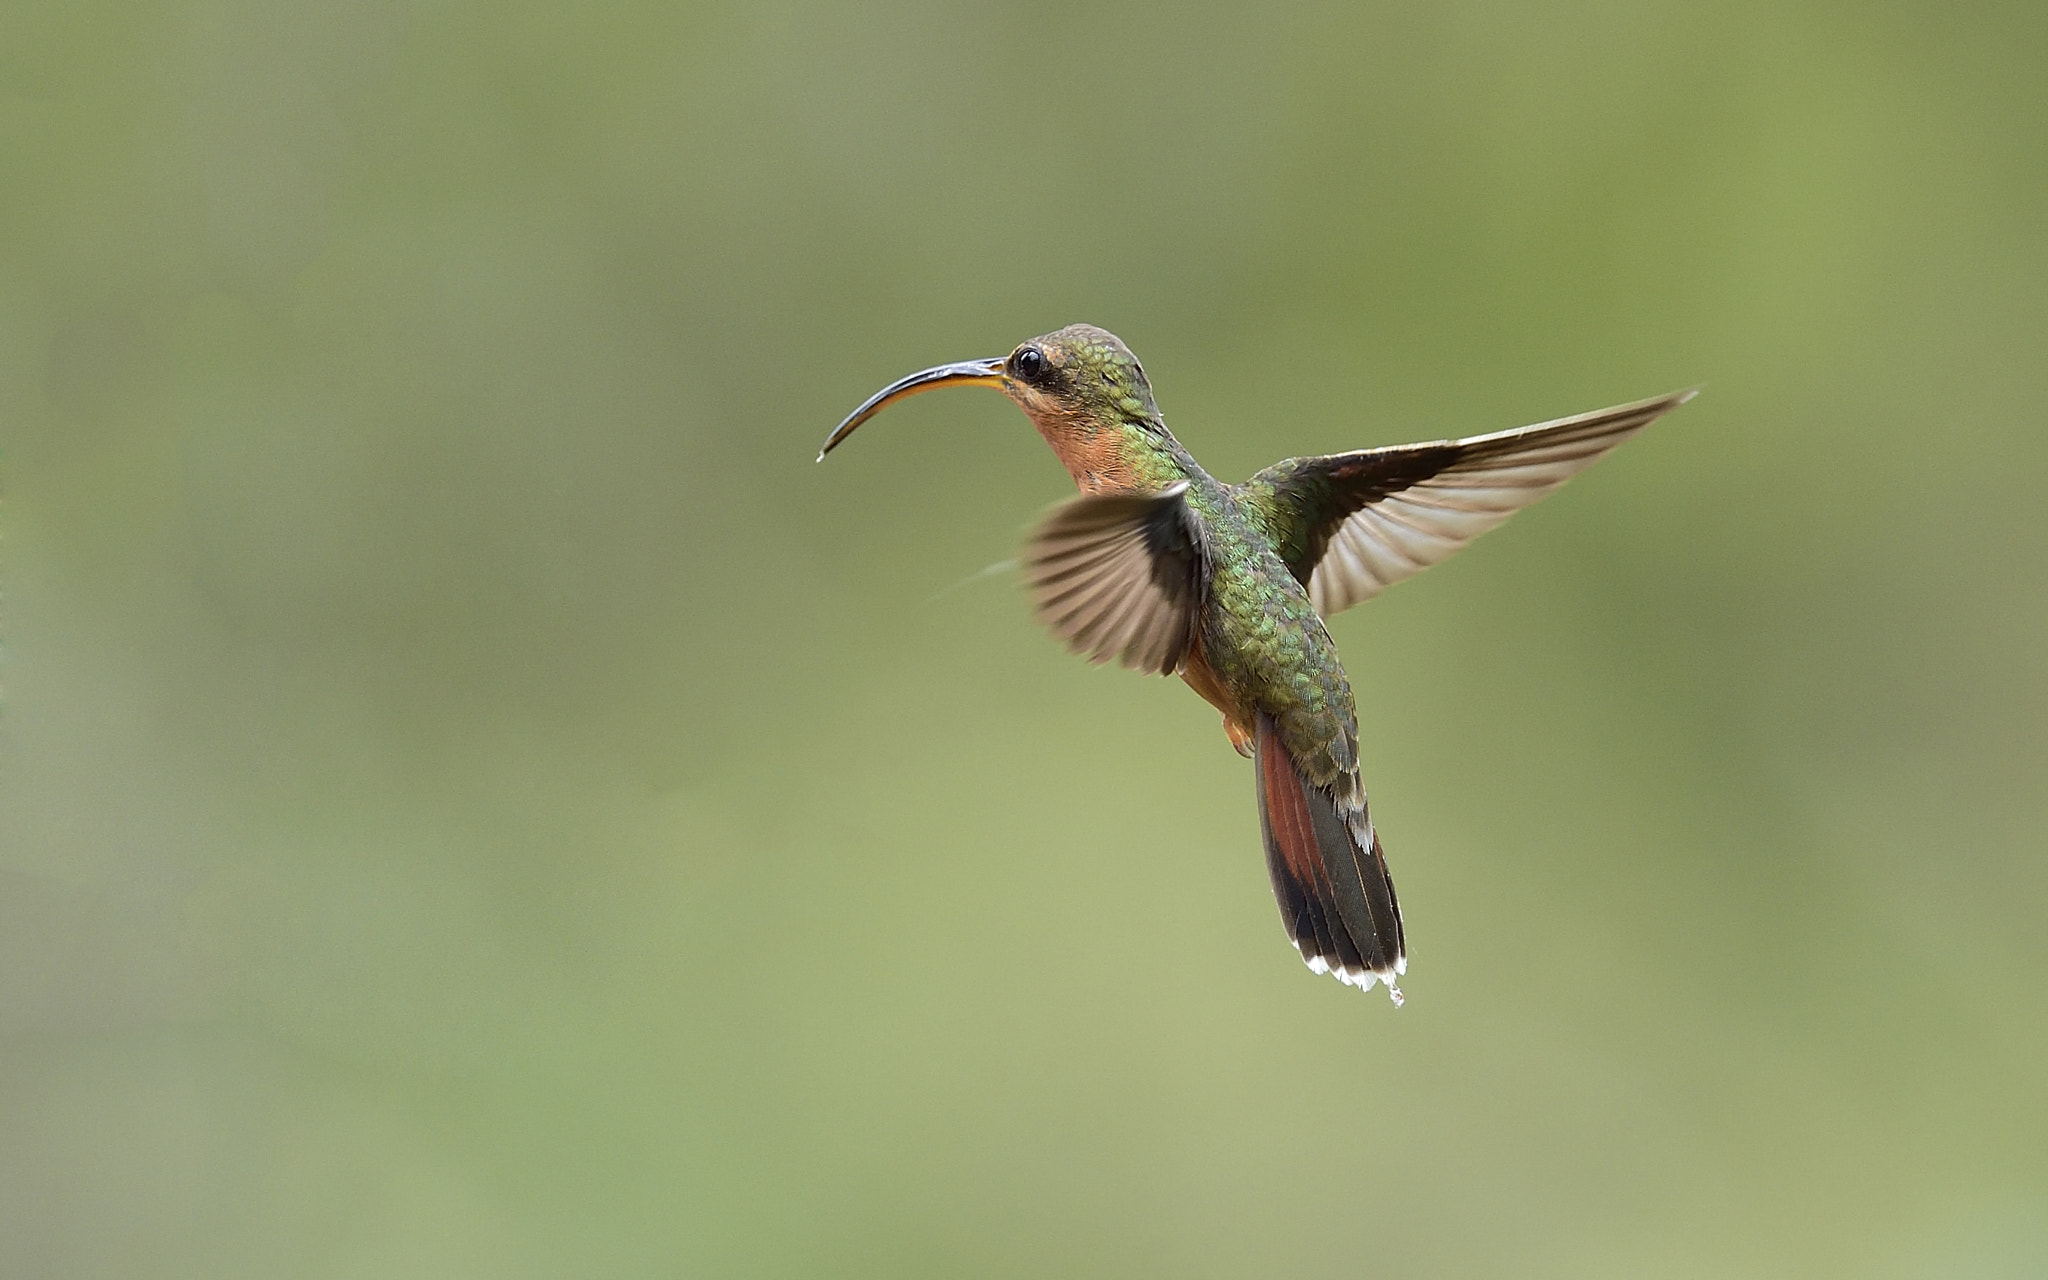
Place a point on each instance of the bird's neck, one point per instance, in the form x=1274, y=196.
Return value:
x=1110, y=455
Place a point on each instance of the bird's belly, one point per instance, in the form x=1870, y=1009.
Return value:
x=1265, y=649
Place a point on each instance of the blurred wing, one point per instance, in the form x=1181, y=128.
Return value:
x=1353, y=524
x=1120, y=576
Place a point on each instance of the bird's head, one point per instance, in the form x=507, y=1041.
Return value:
x=1079, y=379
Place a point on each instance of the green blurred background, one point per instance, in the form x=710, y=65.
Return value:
x=479, y=801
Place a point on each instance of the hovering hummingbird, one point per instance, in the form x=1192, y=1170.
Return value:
x=1168, y=570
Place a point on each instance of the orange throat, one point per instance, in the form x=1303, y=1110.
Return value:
x=1094, y=456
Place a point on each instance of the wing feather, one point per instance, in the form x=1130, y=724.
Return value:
x=1121, y=576
x=1360, y=522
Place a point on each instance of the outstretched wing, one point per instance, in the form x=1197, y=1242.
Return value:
x=1121, y=576
x=1352, y=524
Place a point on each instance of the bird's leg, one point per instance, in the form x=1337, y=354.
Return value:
x=1240, y=737
x=1202, y=679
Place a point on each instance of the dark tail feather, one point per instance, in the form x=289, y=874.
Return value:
x=1329, y=875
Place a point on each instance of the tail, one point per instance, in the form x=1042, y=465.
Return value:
x=1329, y=874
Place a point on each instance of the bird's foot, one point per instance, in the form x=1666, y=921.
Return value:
x=1240, y=737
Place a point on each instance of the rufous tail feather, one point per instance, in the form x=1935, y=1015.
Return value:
x=1329, y=874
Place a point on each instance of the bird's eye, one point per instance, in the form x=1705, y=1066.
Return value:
x=1029, y=362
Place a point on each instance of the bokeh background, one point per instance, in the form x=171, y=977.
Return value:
x=480, y=801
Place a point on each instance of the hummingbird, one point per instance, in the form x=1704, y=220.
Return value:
x=1159, y=566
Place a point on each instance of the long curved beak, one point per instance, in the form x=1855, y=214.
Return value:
x=982, y=373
